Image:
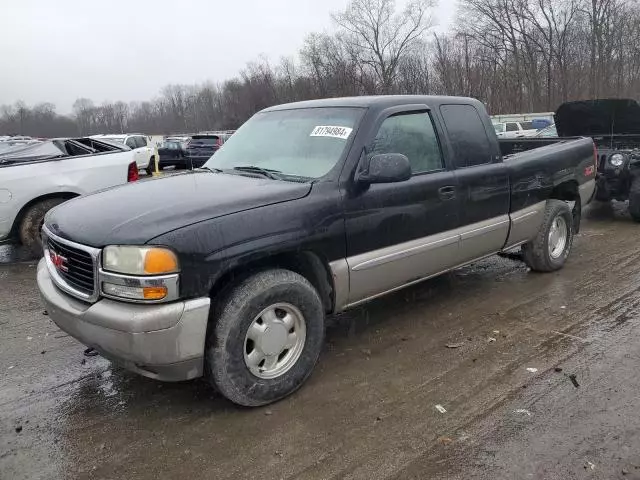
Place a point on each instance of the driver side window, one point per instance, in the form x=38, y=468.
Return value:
x=412, y=135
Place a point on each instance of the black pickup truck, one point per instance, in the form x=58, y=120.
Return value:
x=231, y=275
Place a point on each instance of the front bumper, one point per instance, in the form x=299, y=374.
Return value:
x=163, y=341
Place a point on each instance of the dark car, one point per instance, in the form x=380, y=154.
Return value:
x=202, y=146
x=232, y=276
x=172, y=154
x=614, y=125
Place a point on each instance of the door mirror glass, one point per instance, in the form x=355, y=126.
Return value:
x=384, y=168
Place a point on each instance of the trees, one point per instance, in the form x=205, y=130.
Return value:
x=514, y=55
x=381, y=38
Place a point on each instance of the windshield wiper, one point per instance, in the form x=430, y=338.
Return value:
x=267, y=172
x=211, y=169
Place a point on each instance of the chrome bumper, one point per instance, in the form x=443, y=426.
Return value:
x=164, y=341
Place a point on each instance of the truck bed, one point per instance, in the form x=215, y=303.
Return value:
x=605, y=144
x=513, y=146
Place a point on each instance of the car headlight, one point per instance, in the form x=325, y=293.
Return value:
x=617, y=159
x=139, y=273
x=132, y=260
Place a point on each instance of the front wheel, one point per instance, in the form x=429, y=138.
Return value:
x=265, y=338
x=549, y=250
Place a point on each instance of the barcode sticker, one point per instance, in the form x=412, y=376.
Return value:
x=330, y=131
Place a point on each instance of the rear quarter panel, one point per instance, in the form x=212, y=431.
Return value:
x=535, y=173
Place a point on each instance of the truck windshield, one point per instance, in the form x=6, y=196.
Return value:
x=304, y=143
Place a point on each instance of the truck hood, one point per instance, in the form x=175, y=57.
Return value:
x=591, y=118
x=138, y=212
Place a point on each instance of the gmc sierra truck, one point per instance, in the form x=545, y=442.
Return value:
x=232, y=274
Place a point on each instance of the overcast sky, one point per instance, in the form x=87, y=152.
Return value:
x=59, y=50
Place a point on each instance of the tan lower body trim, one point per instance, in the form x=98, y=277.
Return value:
x=369, y=275
x=525, y=224
x=415, y=282
x=389, y=268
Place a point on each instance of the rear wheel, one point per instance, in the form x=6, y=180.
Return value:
x=634, y=199
x=265, y=338
x=549, y=250
x=31, y=224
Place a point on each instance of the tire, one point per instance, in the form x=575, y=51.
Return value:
x=634, y=199
x=538, y=254
x=31, y=224
x=228, y=341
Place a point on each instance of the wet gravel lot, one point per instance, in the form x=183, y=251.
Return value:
x=534, y=376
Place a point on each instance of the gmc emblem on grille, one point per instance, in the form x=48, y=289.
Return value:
x=58, y=261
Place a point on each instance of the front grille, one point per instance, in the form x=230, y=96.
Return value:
x=74, y=266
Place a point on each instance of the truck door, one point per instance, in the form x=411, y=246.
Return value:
x=398, y=233
x=483, y=181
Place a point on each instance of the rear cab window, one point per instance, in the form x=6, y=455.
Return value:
x=141, y=141
x=469, y=140
x=131, y=142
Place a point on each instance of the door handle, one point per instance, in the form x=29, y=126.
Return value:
x=447, y=193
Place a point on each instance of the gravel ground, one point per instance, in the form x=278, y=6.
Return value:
x=542, y=384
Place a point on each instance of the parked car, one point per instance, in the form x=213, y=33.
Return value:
x=614, y=125
x=36, y=177
x=354, y=198
x=540, y=123
x=145, y=154
x=514, y=129
x=202, y=146
x=172, y=154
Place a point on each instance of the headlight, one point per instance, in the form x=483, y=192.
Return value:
x=139, y=260
x=617, y=159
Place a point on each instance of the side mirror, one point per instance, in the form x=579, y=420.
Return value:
x=384, y=168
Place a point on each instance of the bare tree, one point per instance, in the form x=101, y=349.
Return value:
x=381, y=37
x=84, y=111
x=514, y=55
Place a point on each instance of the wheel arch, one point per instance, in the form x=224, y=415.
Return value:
x=66, y=195
x=306, y=263
x=569, y=191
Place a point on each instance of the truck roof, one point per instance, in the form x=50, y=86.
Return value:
x=375, y=101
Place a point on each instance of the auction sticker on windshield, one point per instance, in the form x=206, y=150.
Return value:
x=330, y=131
